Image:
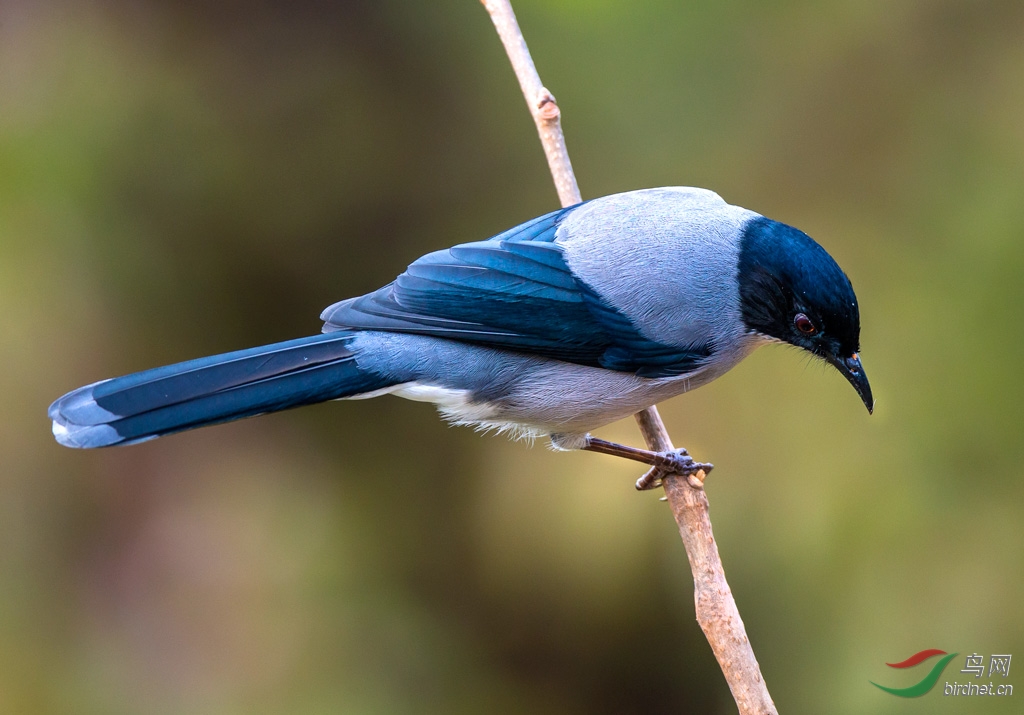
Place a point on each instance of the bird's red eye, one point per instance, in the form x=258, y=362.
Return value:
x=804, y=324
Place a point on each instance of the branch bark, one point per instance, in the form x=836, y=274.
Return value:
x=715, y=606
x=543, y=107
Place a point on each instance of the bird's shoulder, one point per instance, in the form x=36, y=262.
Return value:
x=666, y=258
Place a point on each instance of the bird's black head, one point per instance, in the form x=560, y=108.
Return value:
x=792, y=290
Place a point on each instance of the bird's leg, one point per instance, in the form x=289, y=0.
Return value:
x=662, y=464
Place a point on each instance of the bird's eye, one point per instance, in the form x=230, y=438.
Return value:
x=804, y=324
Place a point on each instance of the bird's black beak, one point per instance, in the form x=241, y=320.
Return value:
x=851, y=369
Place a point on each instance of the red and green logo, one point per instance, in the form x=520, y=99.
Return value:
x=928, y=682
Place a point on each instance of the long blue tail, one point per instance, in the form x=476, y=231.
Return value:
x=149, y=404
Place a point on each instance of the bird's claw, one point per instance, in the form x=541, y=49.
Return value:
x=678, y=462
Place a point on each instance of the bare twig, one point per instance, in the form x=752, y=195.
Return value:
x=715, y=606
x=543, y=107
x=716, y=609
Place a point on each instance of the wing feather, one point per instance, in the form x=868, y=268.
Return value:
x=514, y=291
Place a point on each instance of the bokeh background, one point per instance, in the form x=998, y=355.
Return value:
x=179, y=179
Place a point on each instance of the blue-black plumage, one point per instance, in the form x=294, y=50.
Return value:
x=555, y=327
x=149, y=404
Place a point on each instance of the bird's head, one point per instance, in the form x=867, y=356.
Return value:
x=793, y=291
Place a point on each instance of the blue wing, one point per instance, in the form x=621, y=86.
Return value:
x=514, y=291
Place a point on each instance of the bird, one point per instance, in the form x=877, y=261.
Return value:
x=551, y=329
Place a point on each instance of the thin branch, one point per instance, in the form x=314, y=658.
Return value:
x=715, y=606
x=716, y=609
x=543, y=107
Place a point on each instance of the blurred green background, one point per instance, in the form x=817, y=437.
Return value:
x=178, y=179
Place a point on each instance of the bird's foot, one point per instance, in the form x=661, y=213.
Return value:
x=663, y=464
x=678, y=462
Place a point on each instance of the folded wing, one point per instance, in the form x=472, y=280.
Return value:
x=514, y=291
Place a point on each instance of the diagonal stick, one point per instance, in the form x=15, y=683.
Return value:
x=715, y=606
